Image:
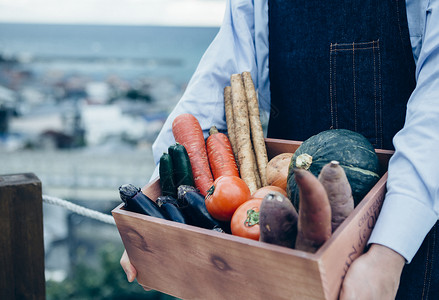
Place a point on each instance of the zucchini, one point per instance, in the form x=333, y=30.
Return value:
x=182, y=165
x=166, y=171
x=138, y=202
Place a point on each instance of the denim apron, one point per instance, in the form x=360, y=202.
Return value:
x=347, y=64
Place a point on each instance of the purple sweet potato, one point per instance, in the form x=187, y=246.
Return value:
x=336, y=184
x=314, y=225
x=277, y=220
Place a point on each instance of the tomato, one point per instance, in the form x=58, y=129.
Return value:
x=224, y=197
x=260, y=193
x=245, y=220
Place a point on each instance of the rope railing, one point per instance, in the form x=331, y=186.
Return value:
x=80, y=210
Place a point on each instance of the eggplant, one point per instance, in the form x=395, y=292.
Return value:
x=192, y=205
x=170, y=206
x=138, y=202
x=181, y=190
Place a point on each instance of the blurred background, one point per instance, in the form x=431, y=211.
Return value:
x=85, y=87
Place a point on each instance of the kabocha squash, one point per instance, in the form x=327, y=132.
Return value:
x=352, y=150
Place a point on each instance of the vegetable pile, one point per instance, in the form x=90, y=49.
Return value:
x=226, y=182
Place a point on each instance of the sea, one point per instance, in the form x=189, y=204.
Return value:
x=100, y=50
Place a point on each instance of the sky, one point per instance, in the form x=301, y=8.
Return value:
x=126, y=12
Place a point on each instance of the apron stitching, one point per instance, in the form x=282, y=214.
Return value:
x=380, y=95
x=355, y=92
x=358, y=43
x=375, y=95
x=433, y=246
x=335, y=90
x=356, y=48
x=330, y=86
x=426, y=268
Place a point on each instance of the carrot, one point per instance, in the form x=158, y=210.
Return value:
x=187, y=131
x=242, y=132
x=334, y=180
x=219, y=151
x=228, y=108
x=314, y=225
x=257, y=133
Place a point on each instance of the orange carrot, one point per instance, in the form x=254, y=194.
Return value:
x=219, y=151
x=187, y=131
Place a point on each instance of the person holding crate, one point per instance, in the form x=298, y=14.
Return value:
x=368, y=66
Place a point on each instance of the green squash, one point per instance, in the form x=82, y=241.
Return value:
x=352, y=150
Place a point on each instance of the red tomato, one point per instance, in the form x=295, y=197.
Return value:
x=245, y=220
x=260, y=193
x=224, y=197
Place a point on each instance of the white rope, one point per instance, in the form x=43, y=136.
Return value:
x=80, y=210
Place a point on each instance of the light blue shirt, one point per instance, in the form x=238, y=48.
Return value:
x=412, y=206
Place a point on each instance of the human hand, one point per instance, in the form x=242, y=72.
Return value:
x=129, y=269
x=374, y=275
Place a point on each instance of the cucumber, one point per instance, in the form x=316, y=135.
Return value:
x=182, y=165
x=166, y=171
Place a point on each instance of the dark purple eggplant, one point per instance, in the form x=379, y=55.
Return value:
x=192, y=205
x=138, y=202
x=181, y=191
x=170, y=206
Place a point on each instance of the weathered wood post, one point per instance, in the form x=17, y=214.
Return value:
x=21, y=237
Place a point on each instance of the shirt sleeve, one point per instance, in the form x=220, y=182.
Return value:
x=232, y=51
x=411, y=205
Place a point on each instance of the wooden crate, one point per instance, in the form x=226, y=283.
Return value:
x=194, y=263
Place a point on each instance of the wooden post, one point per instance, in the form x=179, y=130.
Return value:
x=21, y=237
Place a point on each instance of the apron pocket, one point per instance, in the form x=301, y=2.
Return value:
x=355, y=89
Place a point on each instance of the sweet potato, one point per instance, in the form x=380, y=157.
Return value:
x=334, y=180
x=277, y=220
x=277, y=170
x=314, y=225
